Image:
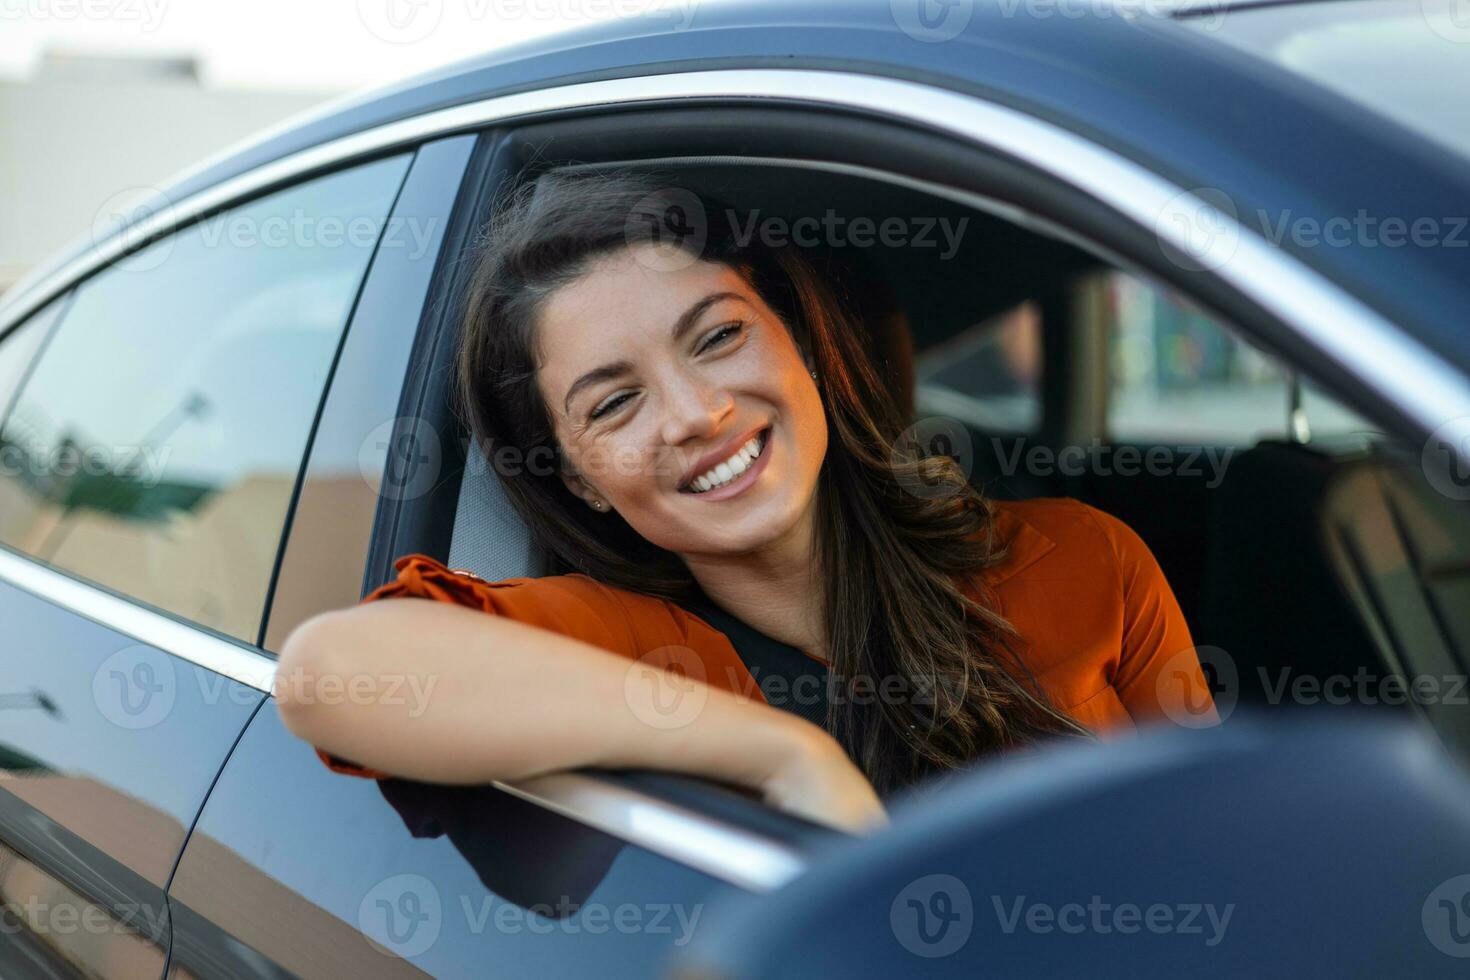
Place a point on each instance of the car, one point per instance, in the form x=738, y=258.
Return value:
x=1202, y=266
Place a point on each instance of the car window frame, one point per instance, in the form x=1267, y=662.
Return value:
x=315, y=399
x=1070, y=215
x=1061, y=175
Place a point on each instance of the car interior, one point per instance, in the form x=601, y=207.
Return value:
x=1298, y=537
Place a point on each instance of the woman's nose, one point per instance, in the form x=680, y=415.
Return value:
x=695, y=409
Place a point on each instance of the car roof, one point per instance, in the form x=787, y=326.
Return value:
x=999, y=37
x=1184, y=104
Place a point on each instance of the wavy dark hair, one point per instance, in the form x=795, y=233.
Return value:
x=893, y=561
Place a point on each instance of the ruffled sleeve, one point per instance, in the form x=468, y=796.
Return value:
x=622, y=622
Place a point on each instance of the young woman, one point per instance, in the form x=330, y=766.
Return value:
x=695, y=431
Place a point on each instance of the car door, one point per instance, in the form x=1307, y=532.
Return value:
x=293, y=870
x=159, y=418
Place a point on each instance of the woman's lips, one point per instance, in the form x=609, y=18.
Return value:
x=738, y=485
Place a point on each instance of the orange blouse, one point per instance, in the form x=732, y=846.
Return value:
x=1100, y=629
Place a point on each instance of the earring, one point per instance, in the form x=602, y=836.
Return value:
x=598, y=505
x=814, y=374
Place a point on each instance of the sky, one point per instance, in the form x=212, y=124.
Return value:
x=288, y=44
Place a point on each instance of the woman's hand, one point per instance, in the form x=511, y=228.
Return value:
x=818, y=782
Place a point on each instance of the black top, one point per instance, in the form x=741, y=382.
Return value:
x=788, y=678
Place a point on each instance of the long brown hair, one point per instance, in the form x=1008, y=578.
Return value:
x=895, y=560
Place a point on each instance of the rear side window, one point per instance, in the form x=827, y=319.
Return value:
x=17, y=351
x=18, y=348
x=989, y=375
x=159, y=437
x=1177, y=376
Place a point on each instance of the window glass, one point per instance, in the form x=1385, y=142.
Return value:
x=162, y=430
x=18, y=347
x=1177, y=376
x=989, y=376
x=17, y=350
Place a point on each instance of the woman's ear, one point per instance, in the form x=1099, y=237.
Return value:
x=581, y=488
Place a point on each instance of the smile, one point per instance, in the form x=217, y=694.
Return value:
x=746, y=461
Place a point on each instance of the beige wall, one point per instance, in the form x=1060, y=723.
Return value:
x=70, y=146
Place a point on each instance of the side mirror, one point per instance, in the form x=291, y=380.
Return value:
x=1303, y=846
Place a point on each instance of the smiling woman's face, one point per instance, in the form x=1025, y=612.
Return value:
x=681, y=401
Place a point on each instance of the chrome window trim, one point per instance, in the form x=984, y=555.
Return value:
x=1367, y=346
x=190, y=642
x=719, y=849
x=1409, y=375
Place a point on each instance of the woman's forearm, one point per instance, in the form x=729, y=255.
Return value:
x=442, y=693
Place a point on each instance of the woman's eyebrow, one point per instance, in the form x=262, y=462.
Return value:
x=691, y=316
x=593, y=377
x=686, y=320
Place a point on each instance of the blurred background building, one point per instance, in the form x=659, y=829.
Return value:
x=84, y=132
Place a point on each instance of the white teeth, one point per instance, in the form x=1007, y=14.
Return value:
x=724, y=472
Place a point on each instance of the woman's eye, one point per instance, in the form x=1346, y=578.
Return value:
x=720, y=336
x=610, y=404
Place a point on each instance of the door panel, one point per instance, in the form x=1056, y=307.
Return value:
x=107, y=750
x=297, y=870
